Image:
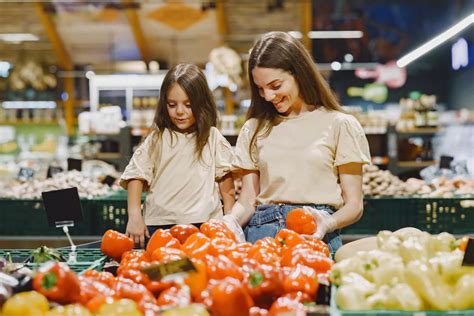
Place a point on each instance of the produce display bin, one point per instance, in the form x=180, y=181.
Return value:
x=335, y=311
x=455, y=215
x=109, y=212
x=28, y=218
x=87, y=258
x=434, y=215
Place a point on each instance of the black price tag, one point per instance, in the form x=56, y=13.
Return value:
x=63, y=207
x=468, y=259
x=157, y=271
x=25, y=174
x=74, y=164
x=109, y=180
x=52, y=170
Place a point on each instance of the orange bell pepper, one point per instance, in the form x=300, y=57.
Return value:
x=286, y=305
x=161, y=238
x=221, y=267
x=167, y=254
x=197, y=246
x=240, y=253
x=288, y=238
x=197, y=281
x=183, y=231
x=300, y=278
x=263, y=283
x=304, y=255
x=114, y=244
x=229, y=298
x=221, y=246
x=216, y=228
x=57, y=282
x=301, y=221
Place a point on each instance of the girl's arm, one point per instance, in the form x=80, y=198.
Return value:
x=227, y=190
x=136, y=228
x=350, y=176
x=244, y=208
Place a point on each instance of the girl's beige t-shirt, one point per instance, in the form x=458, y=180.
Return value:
x=298, y=160
x=181, y=188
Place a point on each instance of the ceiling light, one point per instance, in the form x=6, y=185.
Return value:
x=438, y=40
x=336, y=66
x=348, y=58
x=335, y=34
x=18, y=37
x=296, y=34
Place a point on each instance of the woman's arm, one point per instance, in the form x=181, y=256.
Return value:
x=136, y=228
x=244, y=208
x=227, y=190
x=350, y=176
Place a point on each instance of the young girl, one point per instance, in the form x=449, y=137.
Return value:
x=297, y=149
x=181, y=160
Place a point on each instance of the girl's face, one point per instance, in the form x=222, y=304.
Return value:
x=280, y=88
x=179, y=109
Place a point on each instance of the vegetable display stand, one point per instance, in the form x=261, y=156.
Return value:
x=87, y=258
x=434, y=215
x=28, y=218
x=335, y=311
x=385, y=213
x=454, y=215
x=108, y=213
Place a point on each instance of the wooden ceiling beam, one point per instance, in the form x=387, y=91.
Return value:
x=137, y=31
x=64, y=60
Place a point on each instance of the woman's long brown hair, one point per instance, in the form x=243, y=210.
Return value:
x=192, y=80
x=279, y=50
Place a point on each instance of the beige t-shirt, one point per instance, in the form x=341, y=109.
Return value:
x=181, y=188
x=298, y=160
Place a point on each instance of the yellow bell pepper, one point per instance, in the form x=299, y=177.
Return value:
x=123, y=307
x=69, y=310
x=29, y=303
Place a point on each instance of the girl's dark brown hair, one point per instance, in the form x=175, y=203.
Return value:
x=279, y=50
x=192, y=80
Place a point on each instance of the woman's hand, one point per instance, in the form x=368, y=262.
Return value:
x=137, y=230
x=325, y=223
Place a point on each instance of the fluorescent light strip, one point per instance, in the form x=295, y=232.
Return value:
x=29, y=104
x=18, y=37
x=438, y=40
x=335, y=34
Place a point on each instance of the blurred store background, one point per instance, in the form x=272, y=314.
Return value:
x=79, y=81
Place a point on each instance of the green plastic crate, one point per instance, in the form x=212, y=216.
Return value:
x=87, y=258
x=335, y=311
x=434, y=215
x=455, y=215
x=28, y=218
x=384, y=214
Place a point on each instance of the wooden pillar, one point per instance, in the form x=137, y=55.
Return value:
x=64, y=62
x=307, y=23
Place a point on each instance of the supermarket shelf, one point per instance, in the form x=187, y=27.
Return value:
x=55, y=123
x=419, y=131
x=108, y=156
x=415, y=164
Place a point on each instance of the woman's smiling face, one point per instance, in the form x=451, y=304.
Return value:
x=280, y=88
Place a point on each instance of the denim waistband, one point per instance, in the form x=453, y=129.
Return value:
x=270, y=212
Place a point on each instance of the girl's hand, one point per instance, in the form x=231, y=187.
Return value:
x=137, y=230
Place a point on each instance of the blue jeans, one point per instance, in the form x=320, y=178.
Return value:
x=269, y=219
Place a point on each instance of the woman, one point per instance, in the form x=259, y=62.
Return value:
x=297, y=147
